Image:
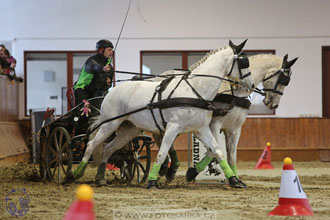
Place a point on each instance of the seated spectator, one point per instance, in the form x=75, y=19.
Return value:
x=3, y=62
x=8, y=64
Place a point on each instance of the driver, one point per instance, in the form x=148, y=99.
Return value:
x=96, y=75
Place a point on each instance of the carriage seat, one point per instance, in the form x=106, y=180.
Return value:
x=70, y=98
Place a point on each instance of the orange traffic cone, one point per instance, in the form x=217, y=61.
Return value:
x=82, y=208
x=111, y=167
x=292, y=198
x=265, y=159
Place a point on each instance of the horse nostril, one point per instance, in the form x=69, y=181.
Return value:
x=253, y=86
x=275, y=106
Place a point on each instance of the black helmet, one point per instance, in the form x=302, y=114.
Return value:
x=103, y=44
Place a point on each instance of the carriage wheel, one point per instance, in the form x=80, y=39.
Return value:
x=139, y=164
x=59, y=155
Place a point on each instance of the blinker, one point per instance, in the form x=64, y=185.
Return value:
x=243, y=62
x=283, y=80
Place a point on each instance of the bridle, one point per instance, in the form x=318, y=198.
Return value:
x=282, y=79
x=242, y=62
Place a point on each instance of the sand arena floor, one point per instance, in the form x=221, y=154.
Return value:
x=177, y=199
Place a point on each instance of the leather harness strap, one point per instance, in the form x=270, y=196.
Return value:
x=232, y=100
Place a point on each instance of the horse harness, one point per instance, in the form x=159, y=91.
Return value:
x=199, y=102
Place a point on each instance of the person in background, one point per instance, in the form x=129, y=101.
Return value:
x=96, y=75
x=4, y=64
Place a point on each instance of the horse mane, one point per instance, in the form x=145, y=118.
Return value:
x=271, y=60
x=203, y=59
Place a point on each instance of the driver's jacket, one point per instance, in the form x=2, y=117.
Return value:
x=92, y=76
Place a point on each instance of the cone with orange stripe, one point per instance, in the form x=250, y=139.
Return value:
x=265, y=159
x=292, y=199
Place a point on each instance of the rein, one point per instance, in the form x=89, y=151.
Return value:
x=150, y=76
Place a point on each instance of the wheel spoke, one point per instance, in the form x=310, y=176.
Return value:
x=54, y=169
x=55, y=142
x=59, y=171
x=133, y=170
x=53, y=151
x=63, y=168
x=138, y=172
x=143, y=157
x=142, y=167
x=60, y=139
x=140, y=149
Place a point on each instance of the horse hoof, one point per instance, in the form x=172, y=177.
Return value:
x=100, y=183
x=243, y=184
x=191, y=174
x=170, y=174
x=152, y=184
x=69, y=178
x=162, y=171
x=236, y=183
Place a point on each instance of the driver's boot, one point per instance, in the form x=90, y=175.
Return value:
x=175, y=163
x=163, y=168
x=99, y=178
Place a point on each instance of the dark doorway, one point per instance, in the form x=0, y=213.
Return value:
x=326, y=81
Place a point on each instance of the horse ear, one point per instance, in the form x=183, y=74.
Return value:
x=240, y=47
x=291, y=62
x=231, y=44
x=285, y=61
x=285, y=58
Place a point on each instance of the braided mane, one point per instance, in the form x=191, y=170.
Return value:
x=202, y=60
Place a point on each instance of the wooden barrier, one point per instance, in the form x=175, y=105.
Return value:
x=9, y=100
x=11, y=140
x=12, y=144
x=303, y=139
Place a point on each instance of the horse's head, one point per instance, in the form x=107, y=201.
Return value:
x=275, y=82
x=240, y=67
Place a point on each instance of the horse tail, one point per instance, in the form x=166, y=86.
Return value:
x=98, y=151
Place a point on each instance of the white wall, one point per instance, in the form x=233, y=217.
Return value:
x=40, y=98
x=297, y=27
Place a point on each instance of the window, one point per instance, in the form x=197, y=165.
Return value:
x=157, y=62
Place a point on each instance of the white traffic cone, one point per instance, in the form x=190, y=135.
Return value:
x=292, y=199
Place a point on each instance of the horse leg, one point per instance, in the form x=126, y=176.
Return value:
x=172, y=130
x=164, y=167
x=232, y=138
x=175, y=163
x=205, y=135
x=105, y=131
x=125, y=133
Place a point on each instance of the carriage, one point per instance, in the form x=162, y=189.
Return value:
x=63, y=143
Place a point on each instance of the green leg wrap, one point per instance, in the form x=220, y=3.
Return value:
x=101, y=171
x=234, y=169
x=226, y=169
x=200, y=166
x=79, y=172
x=154, y=172
x=175, y=163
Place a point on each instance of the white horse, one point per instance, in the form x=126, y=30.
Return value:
x=274, y=72
x=203, y=83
